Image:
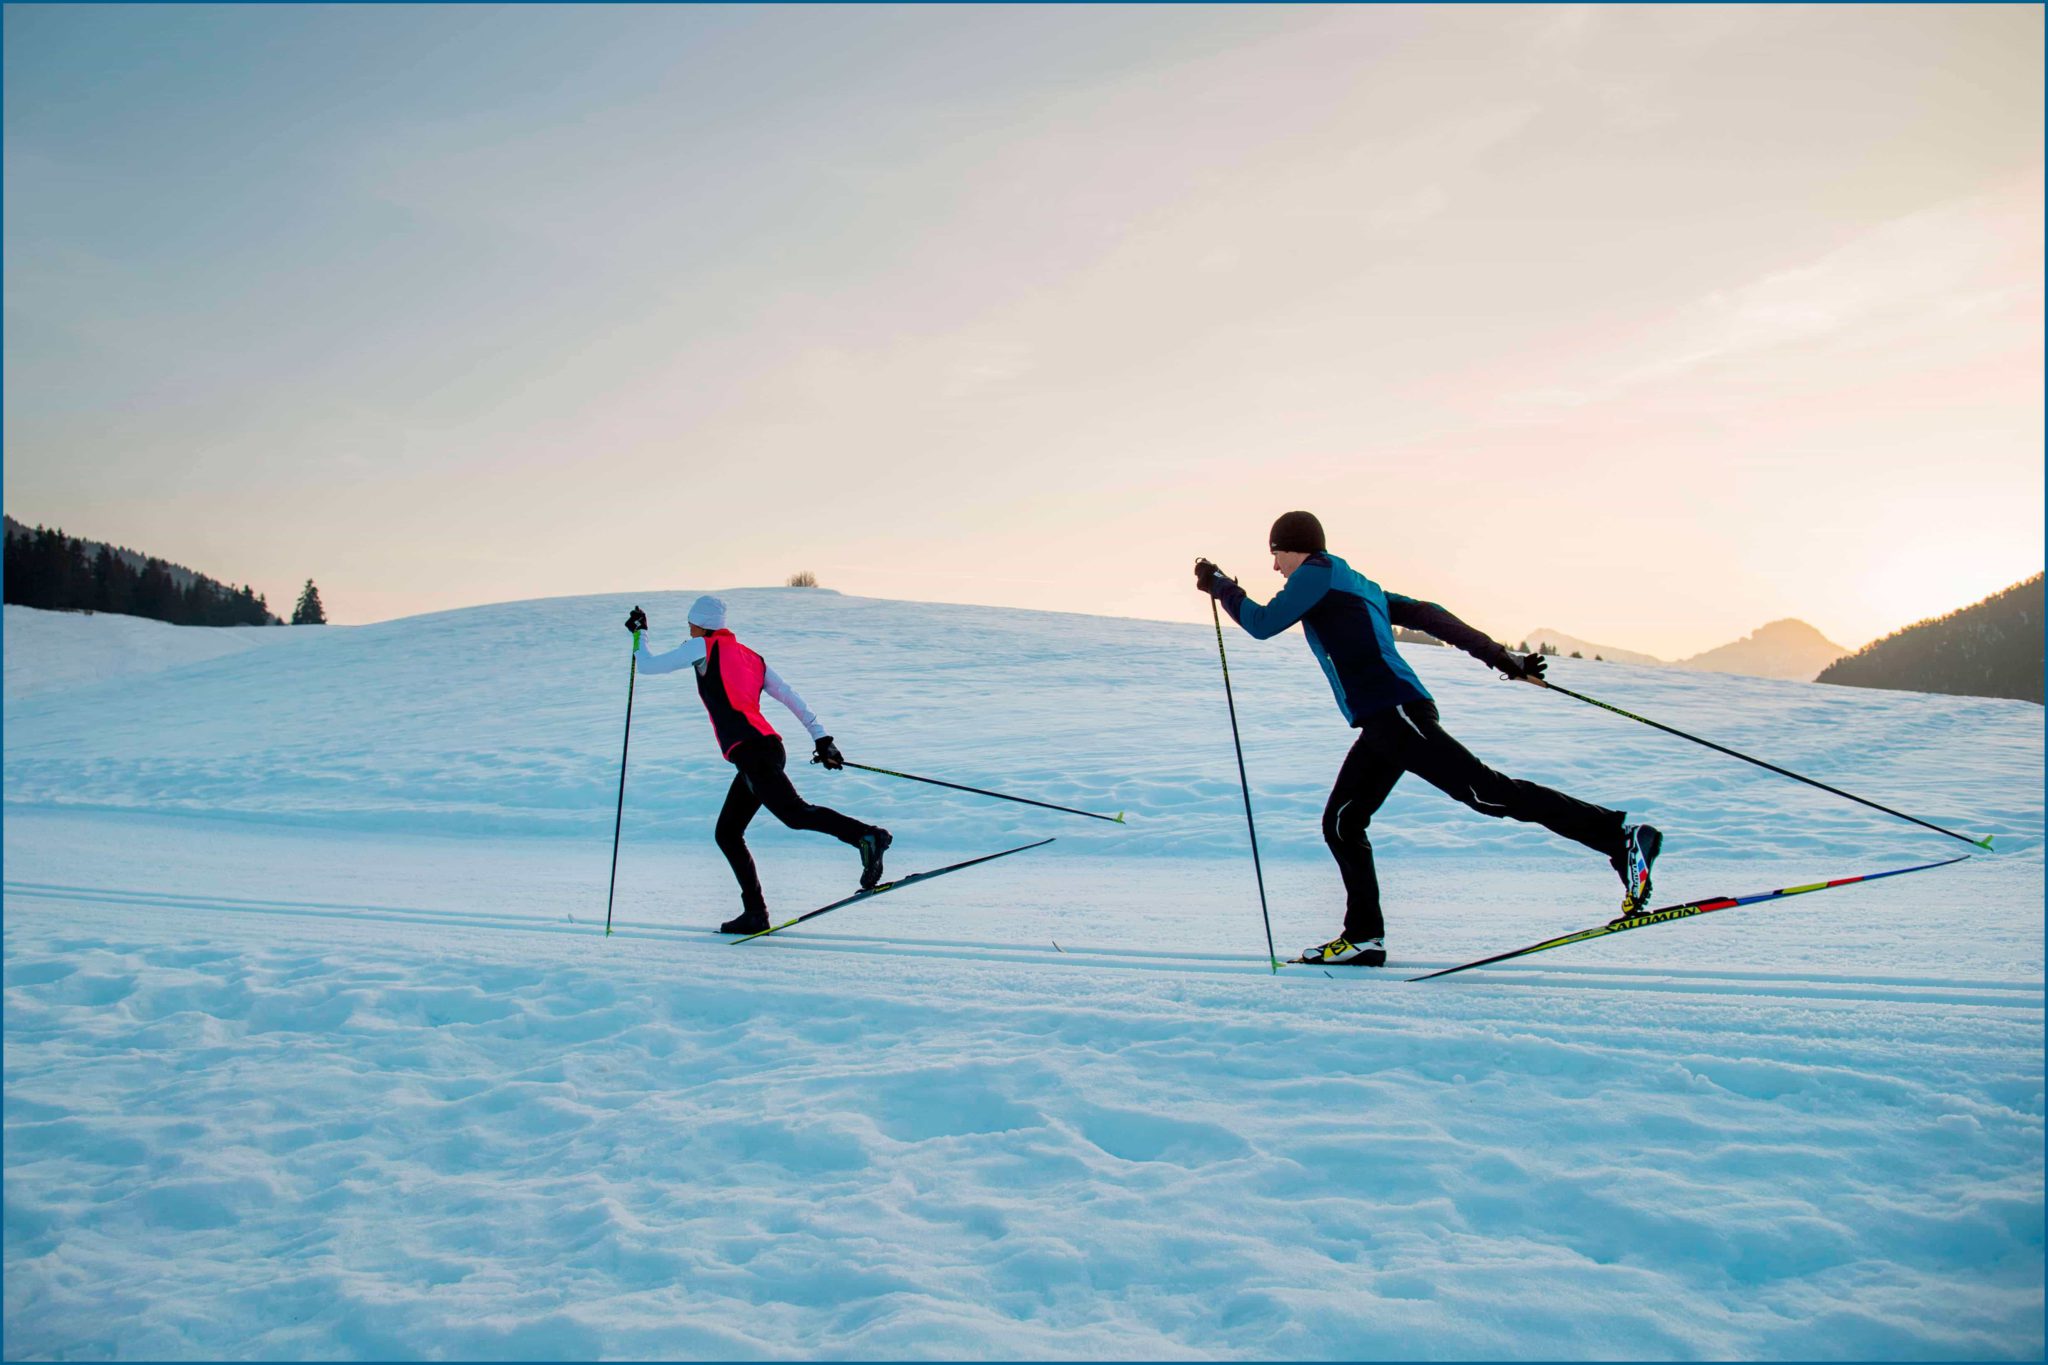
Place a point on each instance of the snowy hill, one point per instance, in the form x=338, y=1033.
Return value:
x=60, y=651
x=1788, y=649
x=1791, y=650
x=316, y=1046
x=505, y=720
x=1567, y=645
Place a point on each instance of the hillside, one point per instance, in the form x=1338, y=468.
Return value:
x=317, y=1045
x=49, y=570
x=1992, y=648
x=1792, y=650
x=505, y=719
x=134, y=559
x=61, y=651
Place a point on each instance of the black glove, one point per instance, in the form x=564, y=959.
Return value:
x=1522, y=667
x=1207, y=576
x=637, y=621
x=828, y=754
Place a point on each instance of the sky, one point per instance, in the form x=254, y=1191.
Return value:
x=1649, y=324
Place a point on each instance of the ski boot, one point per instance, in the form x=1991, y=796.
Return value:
x=872, y=846
x=1371, y=952
x=753, y=917
x=1640, y=845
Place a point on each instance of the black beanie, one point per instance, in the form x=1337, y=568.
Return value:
x=1297, y=531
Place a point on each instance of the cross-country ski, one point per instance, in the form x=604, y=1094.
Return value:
x=1671, y=913
x=868, y=893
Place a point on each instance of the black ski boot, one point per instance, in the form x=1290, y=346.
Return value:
x=1640, y=845
x=753, y=917
x=872, y=846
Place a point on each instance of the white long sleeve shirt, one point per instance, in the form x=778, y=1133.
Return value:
x=692, y=653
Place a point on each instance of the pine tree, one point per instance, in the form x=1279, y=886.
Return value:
x=309, y=612
x=156, y=593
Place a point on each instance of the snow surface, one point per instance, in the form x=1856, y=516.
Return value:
x=314, y=1045
x=55, y=650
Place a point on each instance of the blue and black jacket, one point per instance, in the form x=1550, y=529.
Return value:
x=1349, y=621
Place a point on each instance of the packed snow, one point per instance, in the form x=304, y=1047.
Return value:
x=52, y=650
x=315, y=1045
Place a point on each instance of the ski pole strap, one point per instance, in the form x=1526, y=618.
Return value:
x=1116, y=819
x=1686, y=910
x=1984, y=843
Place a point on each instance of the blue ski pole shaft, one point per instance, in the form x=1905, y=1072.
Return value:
x=1245, y=785
x=619, y=820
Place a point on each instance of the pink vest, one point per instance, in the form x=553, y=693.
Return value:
x=730, y=686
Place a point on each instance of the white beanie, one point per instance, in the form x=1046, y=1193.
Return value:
x=708, y=612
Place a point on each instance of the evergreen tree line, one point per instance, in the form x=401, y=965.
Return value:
x=48, y=569
x=1991, y=649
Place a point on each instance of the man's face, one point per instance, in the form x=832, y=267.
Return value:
x=1285, y=562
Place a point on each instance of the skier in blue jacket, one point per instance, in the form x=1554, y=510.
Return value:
x=1349, y=622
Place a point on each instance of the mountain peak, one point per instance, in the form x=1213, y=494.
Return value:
x=1791, y=628
x=1787, y=648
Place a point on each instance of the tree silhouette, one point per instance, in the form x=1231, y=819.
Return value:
x=51, y=571
x=309, y=611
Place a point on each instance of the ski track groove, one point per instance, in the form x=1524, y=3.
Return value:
x=2017, y=995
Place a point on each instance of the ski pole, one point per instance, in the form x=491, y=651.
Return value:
x=632, y=674
x=1245, y=784
x=1985, y=842
x=1116, y=819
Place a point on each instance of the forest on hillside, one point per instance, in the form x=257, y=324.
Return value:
x=46, y=568
x=1991, y=648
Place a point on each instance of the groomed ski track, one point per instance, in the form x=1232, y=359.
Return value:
x=2020, y=994
x=428, y=1131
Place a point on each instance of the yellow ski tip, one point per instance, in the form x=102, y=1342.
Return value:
x=1984, y=843
x=1119, y=817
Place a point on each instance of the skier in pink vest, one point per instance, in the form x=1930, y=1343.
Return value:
x=731, y=679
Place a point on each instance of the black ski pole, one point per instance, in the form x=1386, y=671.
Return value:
x=1985, y=842
x=1116, y=819
x=1244, y=783
x=632, y=674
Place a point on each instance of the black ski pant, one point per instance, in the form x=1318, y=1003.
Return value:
x=760, y=781
x=1408, y=739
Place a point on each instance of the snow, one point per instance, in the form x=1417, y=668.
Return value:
x=315, y=1046
x=55, y=650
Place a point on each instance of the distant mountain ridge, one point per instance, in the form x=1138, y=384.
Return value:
x=1787, y=649
x=1568, y=644
x=1991, y=648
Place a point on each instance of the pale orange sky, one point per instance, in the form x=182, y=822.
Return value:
x=1649, y=324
